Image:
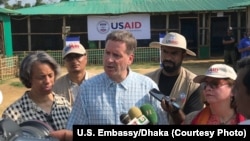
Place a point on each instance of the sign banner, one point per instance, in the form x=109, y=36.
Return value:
x=100, y=26
x=72, y=40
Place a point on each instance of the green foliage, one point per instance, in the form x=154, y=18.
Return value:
x=145, y=65
x=21, y=4
x=3, y=1
x=39, y=2
x=16, y=84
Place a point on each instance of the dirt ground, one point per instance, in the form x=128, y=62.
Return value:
x=12, y=92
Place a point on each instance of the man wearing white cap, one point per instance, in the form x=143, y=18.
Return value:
x=75, y=60
x=174, y=80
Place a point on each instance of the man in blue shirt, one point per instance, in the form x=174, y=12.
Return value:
x=103, y=98
x=244, y=45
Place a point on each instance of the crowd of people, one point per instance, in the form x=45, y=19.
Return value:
x=219, y=97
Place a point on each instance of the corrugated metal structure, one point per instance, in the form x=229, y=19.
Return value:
x=5, y=32
x=202, y=22
x=244, y=4
x=7, y=11
x=240, y=4
x=88, y=7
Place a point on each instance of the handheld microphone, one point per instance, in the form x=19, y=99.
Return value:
x=124, y=118
x=134, y=112
x=137, y=117
x=150, y=113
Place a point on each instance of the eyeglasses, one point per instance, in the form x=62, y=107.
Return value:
x=71, y=57
x=216, y=83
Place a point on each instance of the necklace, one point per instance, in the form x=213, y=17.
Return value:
x=226, y=122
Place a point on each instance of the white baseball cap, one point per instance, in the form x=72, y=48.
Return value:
x=74, y=47
x=173, y=39
x=217, y=71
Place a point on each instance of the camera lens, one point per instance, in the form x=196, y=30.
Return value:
x=32, y=130
x=35, y=128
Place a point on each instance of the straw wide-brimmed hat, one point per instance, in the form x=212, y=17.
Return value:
x=173, y=39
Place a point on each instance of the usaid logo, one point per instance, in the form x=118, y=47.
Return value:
x=72, y=46
x=171, y=40
x=103, y=27
x=213, y=70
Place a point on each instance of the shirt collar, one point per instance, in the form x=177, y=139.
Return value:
x=124, y=84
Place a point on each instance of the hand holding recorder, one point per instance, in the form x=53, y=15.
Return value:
x=169, y=105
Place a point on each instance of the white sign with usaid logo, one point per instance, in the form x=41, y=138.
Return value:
x=100, y=26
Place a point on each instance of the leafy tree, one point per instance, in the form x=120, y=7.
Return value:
x=27, y=5
x=39, y=2
x=19, y=4
x=6, y=5
x=3, y=2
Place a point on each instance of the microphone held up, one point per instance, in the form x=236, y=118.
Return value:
x=150, y=113
x=137, y=117
x=124, y=118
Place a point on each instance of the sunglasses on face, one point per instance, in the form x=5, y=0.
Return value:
x=216, y=83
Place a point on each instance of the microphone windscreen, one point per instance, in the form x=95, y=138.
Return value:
x=134, y=112
x=124, y=118
x=148, y=111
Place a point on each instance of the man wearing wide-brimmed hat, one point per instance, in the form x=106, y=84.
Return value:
x=174, y=80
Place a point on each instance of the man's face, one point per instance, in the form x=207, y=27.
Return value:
x=116, y=60
x=171, y=58
x=75, y=62
x=229, y=32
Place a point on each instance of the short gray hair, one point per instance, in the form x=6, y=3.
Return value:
x=124, y=36
x=30, y=59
